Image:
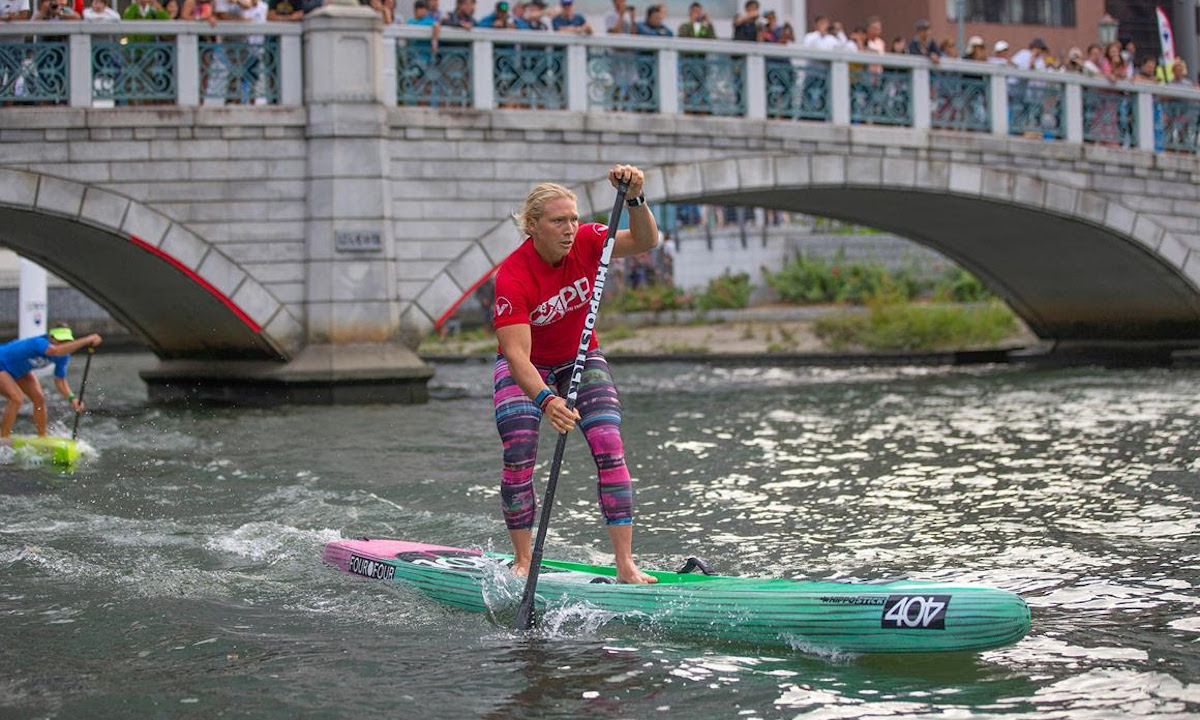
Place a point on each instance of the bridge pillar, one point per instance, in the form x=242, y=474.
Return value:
x=355, y=348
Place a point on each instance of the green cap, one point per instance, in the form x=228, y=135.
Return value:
x=62, y=334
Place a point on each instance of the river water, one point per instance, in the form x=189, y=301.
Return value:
x=178, y=573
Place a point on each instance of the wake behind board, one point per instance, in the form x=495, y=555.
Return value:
x=893, y=617
x=60, y=451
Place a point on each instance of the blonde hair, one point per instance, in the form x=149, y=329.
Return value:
x=535, y=205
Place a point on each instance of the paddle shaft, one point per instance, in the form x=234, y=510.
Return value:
x=87, y=365
x=525, y=609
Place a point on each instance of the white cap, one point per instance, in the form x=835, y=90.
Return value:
x=1000, y=46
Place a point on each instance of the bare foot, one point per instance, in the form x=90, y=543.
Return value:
x=519, y=570
x=634, y=576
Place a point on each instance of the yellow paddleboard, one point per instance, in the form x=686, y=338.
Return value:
x=58, y=450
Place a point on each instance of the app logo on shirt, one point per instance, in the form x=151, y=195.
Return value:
x=570, y=297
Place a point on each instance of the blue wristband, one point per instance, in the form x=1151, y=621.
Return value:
x=540, y=400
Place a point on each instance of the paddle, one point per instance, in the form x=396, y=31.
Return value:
x=87, y=365
x=525, y=609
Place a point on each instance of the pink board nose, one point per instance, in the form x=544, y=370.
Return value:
x=338, y=553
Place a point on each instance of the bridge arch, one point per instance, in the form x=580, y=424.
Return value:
x=1097, y=271
x=180, y=293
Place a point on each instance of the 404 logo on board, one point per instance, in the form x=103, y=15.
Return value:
x=915, y=612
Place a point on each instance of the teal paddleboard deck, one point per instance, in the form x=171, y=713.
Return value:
x=892, y=617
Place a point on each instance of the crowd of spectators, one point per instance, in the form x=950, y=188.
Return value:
x=1118, y=60
x=209, y=11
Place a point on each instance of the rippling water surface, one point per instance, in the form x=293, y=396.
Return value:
x=177, y=573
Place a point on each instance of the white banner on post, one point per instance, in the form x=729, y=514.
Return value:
x=31, y=300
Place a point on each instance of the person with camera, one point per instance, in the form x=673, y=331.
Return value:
x=621, y=20
x=500, y=19
x=54, y=10
x=698, y=25
x=746, y=26
x=534, y=18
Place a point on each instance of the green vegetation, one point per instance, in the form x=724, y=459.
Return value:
x=617, y=331
x=918, y=327
x=727, y=292
x=652, y=298
x=468, y=342
x=958, y=285
x=805, y=280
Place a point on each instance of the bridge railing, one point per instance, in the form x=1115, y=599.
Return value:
x=85, y=64
x=185, y=63
x=489, y=69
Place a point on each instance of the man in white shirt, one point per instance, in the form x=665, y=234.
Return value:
x=15, y=10
x=1032, y=57
x=1000, y=54
x=621, y=20
x=820, y=39
x=99, y=11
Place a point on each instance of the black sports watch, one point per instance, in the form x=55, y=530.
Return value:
x=635, y=202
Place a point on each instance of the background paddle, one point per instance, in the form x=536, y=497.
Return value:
x=525, y=609
x=87, y=365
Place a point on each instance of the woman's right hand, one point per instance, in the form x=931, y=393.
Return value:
x=96, y=339
x=561, y=418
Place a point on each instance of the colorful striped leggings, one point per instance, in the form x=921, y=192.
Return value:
x=517, y=420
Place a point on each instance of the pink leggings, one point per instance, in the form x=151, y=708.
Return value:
x=518, y=418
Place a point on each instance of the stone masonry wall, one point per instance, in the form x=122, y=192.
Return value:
x=236, y=176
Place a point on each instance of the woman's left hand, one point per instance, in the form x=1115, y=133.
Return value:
x=630, y=174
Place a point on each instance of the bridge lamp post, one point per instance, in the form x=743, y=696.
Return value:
x=961, y=9
x=1106, y=29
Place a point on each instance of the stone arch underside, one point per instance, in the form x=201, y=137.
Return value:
x=1074, y=264
x=1068, y=280
x=180, y=294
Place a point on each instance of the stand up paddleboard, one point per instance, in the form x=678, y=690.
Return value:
x=61, y=451
x=891, y=617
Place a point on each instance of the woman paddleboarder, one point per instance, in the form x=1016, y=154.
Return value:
x=18, y=360
x=542, y=294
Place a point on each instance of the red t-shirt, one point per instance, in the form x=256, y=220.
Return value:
x=551, y=299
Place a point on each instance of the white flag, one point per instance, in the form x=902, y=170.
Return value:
x=1166, y=37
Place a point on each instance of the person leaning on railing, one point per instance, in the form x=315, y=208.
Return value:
x=1179, y=75
x=99, y=11
x=569, y=21
x=923, y=44
x=463, y=15
x=654, y=22
x=14, y=10
x=52, y=10
x=533, y=18
x=145, y=10
x=285, y=11
x=499, y=19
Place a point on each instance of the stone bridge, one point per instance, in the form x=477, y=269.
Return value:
x=299, y=249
